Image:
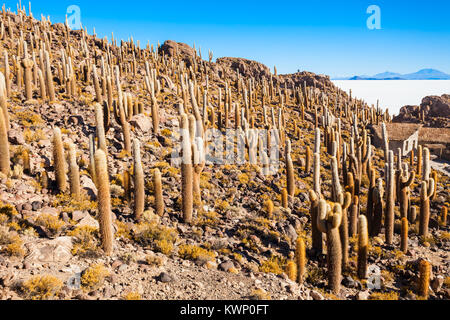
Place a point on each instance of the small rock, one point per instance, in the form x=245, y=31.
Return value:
x=316, y=296
x=141, y=122
x=437, y=283
x=36, y=205
x=349, y=282
x=164, y=277
x=88, y=221
x=226, y=266
x=362, y=295
x=78, y=215
x=116, y=264
x=15, y=137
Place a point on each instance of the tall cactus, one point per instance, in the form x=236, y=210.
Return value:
x=300, y=255
x=377, y=218
x=27, y=64
x=4, y=146
x=426, y=192
x=290, y=178
x=345, y=202
x=426, y=165
x=389, y=215
x=328, y=222
x=284, y=198
x=419, y=160
x=316, y=181
x=424, y=278
x=186, y=171
x=363, y=247
x=308, y=160
x=317, y=241
x=444, y=212
x=59, y=161
x=100, y=127
x=405, y=180
x=159, y=199
x=369, y=208
x=139, y=189
x=199, y=165
x=385, y=142
x=74, y=172
x=404, y=235
x=49, y=78
x=104, y=202
x=336, y=184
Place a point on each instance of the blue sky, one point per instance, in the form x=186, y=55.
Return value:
x=325, y=37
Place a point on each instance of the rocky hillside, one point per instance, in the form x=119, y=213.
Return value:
x=434, y=112
x=92, y=205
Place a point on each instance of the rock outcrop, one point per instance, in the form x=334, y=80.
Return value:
x=434, y=111
x=247, y=68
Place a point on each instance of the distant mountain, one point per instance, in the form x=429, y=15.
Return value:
x=424, y=74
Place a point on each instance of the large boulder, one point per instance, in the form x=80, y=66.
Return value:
x=58, y=250
x=186, y=53
x=435, y=106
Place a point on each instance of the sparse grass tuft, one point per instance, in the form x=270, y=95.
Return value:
x=93, y=277
x=42, y=287
x=190, y=252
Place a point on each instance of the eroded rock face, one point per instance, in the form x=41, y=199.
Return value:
x=170, y=48
x=435, y=106
x=311, y=79
x=247, y=68
x=436, y=111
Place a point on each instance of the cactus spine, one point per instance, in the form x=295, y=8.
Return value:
x=363, y=247
x=104, y=202
x=139, y=189
x=328, y=222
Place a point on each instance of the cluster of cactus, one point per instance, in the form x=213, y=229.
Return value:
x=350, y=160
